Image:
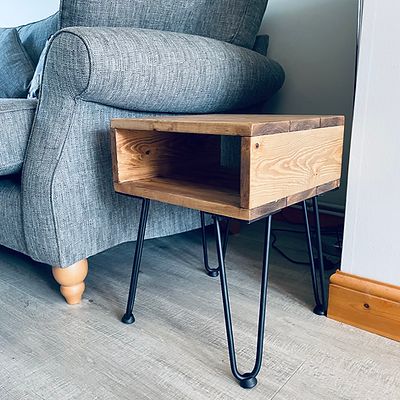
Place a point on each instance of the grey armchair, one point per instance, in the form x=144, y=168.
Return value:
x=109, y=59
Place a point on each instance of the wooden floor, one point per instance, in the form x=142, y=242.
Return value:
x=177, y=348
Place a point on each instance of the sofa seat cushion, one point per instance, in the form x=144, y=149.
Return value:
x=16, y=117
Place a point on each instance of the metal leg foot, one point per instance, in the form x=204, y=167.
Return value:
x=213, y=272
x=319, y=310
x=128, y=317
x=319, y=292
x=247, y=380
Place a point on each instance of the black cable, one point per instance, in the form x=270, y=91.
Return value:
x=274, y=239
x=327, y=262
x=324, y=231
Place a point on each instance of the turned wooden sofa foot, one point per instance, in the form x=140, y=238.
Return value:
x=71, y=281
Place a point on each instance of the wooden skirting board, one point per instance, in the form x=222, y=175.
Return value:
x=364, y=303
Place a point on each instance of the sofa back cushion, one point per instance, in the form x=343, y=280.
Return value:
x=16, y=67
x=35, y=35
x=233, y=21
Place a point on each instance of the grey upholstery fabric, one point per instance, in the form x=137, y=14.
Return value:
x=16, y=68
x=70, y=208
x=35, y=35
x=233, y=21
x=165, y=71
x=11, y=232
x=16, y=116
x=261, y=44
x=65, y=208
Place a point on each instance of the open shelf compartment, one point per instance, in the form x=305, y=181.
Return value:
x=180, y=169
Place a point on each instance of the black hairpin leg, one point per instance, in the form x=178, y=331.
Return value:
x=320, y=300
x=213, y=272
x=247, y=380
x=320, y=252
x=128, y=317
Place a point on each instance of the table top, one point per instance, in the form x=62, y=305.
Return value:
x=230, y=124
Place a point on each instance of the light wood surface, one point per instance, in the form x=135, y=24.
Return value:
x=230, y=124
x=148, y=154
x=176, y=350
x=71, y=281
x=205, y=197
x=285, y=164
x=365, y=303
x=155, y=158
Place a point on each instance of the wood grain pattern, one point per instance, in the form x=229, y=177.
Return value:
x=364, y=303
x=283, y=165
x=305, y=124
x=333, y=120
x=245, y=163
x=298, y=197
x=365, y=285
x=114, y=155
x=230, y=124
x=147, y=154
x=213, y=198
x=184, y=169
x=326, y=187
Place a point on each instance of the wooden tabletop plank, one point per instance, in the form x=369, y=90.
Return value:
x=223, y=201
x=230, y=124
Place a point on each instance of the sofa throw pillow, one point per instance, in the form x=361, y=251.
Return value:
x=35, y=35
x=16, y=68
x=34, y=87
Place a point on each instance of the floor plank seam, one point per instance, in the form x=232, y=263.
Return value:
x=287, y=381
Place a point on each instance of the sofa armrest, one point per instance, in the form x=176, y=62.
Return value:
x=91, y=75
x=154, y=71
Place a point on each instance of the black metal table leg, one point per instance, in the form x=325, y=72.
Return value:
x=213, y=272
x=246, y=380
x=318, y=309
x=320, y=253
x=128, y=317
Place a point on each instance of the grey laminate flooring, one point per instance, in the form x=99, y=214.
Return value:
x=177, y=348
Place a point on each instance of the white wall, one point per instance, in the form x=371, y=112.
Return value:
x=315, y=42
x=19, y=12
x=371, y=241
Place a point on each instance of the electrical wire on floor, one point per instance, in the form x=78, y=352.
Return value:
x=328, y=263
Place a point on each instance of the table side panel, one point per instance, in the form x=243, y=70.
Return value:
x=283, y=165
x=114, y=157
x=245, y=172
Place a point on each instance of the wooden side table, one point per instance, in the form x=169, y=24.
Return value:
x=274, y=161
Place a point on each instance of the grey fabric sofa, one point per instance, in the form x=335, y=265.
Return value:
x=108, y=59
